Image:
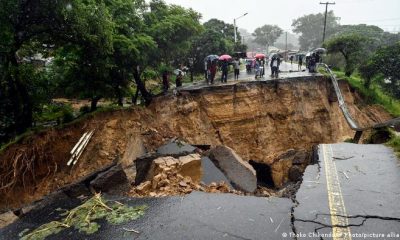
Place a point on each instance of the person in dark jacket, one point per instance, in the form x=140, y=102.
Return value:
x=165, y=81
x=275, y=62
x=179, y=79
x=224, y=70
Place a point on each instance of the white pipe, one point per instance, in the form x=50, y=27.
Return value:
x=79, y=142
x=78, y=149
x=83, y=147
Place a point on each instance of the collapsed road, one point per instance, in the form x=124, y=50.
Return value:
x=353, y=190
x=346, y=189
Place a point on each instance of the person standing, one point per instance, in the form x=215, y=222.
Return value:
x=291, y=60
x=275, y=62
x=300, y=62
x=178, y=80
x=213, y=71
x=257, y=68
x=236, y=66
x=165, y=81
x=206, y=67
x=224, y=69
x=312, y=63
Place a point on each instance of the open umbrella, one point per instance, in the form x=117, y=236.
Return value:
x=177, y=71
x=320, y=50
x=211, y=58
x=225, y=57
x=260, y=56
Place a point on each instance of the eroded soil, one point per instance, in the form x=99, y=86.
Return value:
x=260, y=121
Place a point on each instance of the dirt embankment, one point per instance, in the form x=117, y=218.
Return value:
x=260, y=121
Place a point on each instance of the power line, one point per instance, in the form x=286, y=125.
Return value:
x=326, y=13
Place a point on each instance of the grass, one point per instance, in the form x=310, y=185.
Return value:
x=395, y=144
x=373, y=95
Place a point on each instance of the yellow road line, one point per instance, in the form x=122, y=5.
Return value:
x=336, y=202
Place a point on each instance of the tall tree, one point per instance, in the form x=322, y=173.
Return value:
x=311, y=27
x=352, y=48
x=267, y=35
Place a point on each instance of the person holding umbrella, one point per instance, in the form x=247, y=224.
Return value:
x=224, y=70
x=275, y=62
x=236, y=66
x=213, y=71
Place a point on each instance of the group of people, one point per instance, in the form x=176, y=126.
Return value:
x=165, y=80
x=312, y=61
x=259, y=66
x=211, y=67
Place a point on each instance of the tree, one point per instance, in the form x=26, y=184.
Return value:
x=351, y=46
x=311, y=28
x=172, y=27
x=385, y=61
x=267, y=35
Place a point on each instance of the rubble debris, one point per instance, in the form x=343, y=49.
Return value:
x=239, y=172
x=189, y=166
x=170, y=176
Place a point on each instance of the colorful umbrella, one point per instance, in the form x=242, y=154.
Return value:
x=225, y=57
x=260, y=56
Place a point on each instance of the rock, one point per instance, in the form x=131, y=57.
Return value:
x=155, y=181
x=239, y=172
x=144, y=187
x=190, y=166
x=183, y=184
x=295, y=173
x=7, y=218
x=280, y=172
x=109, y=179
x=288, y=154
x=301, y=157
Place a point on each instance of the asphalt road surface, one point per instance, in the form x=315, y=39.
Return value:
x=353, y=192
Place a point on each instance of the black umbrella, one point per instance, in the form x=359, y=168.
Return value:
x=211, y=58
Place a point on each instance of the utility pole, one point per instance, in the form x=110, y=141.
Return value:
x=326, y=14
x=235, y=27
x=286, y=50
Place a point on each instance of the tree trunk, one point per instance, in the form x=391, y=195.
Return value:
x=23, y=105
x=93, y=104
x=142, y=88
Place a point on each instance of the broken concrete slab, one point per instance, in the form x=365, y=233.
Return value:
x=134, y=149
x=211, y=173
x=176, y=148
x=241, y=174
x=109, y=179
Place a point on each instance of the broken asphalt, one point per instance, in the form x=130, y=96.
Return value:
x=352, y=192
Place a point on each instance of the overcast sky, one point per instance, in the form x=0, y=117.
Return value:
x=383, y=13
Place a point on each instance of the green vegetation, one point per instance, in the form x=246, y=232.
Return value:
x=84, y=217
x=374, y=94
x=395, y=144
x=95, y=49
